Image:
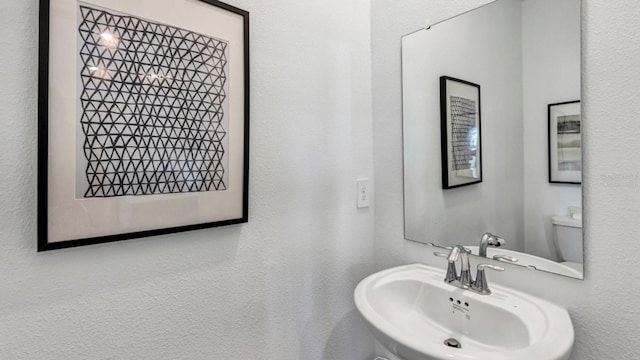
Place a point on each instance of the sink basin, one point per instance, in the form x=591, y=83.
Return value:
x=413, y=313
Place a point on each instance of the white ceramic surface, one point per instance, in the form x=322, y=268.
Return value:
x=567, y=238
x=529, y=260
x=411, y=311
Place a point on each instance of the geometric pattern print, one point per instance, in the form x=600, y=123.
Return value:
x=463, y=133
x=151, y=108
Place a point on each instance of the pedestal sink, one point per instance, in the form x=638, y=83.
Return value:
x=416, y=316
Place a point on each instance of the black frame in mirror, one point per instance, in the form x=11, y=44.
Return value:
x=564, y=135
x=460, y=132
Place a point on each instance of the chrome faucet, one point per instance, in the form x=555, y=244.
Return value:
x=481, y=285
x=489, y=239
x=464, y=280
x=505, y=258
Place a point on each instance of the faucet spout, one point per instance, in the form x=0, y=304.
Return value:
x=489, y=239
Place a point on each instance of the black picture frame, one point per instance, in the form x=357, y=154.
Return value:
x=564, y=125
x=232, y=208
x=460, y=132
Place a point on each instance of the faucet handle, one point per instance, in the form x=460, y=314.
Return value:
x=505, y=258
x=452, y=272
x=481, y=267
x=481, y=285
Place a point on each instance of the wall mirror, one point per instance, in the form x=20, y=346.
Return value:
x=523, y=123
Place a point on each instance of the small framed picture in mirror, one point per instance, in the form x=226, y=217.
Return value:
x=565, y=142
x=460, y=132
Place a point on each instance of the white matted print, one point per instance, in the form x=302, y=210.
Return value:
x=460, y=133
x=143, y=119
x=565, y=142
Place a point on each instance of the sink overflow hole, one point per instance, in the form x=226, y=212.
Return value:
x=451, y=342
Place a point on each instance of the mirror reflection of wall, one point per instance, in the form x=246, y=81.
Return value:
x=525, y=55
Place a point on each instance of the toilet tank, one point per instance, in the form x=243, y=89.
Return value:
x=567, y=236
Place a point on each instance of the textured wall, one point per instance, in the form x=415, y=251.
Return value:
x=279, y=287
x=603, y=306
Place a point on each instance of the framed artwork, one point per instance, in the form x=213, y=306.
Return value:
x=565, y=143
x=460, y=133
x=143, y=119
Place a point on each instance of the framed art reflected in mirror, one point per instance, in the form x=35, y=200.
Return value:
x=565, y=143
x=460, y=132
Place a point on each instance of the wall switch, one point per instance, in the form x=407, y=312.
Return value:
x=362, y=192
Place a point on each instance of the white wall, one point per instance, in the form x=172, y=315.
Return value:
x=463, y=214
x=551, y=74
x=279, y=287
x=602, y=306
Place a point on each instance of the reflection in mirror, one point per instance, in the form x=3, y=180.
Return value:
x=525, y=57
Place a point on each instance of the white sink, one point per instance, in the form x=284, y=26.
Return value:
x=412, y=312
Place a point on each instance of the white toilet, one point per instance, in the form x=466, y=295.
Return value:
x=567, y=236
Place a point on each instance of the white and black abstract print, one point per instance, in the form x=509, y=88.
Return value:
x=152, y=107
x=464, y=133
x=569, y=143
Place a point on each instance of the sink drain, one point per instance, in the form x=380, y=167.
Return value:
x=451, y=342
